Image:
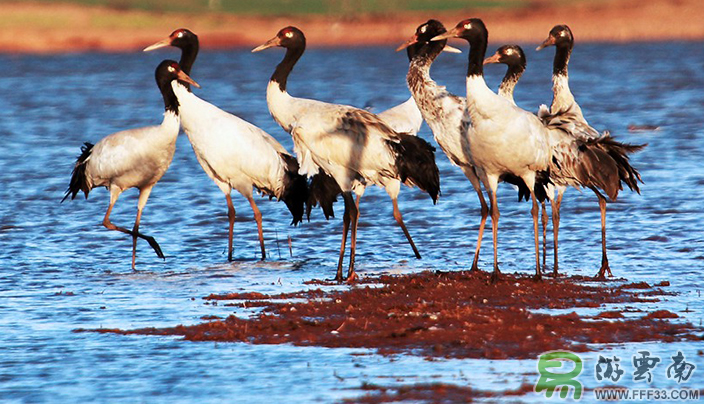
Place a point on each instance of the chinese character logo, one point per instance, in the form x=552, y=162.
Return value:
x=608, y=369
x=550, y=381
x=680, y=370
x=643, y=365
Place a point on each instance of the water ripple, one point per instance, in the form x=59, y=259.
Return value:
x=62, y=270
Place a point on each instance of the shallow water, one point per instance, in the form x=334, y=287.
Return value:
x=61, y=270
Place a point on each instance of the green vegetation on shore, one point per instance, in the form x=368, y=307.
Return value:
x=298, y=7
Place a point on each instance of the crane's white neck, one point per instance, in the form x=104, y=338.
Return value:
x=171, y=118
x=280, y=105
x=478, y=94
x=427, y=94
x=508, y=84
x=562, y=97
x=506, y=90
x=193, y=110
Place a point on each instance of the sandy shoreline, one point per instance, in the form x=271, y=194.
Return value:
x=38, y=28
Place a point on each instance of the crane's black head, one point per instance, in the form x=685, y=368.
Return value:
x=182, y=38
x=420, y=42
x=165, y=73
x=510, y=55
x=560, y=36
x=168, y=71
x=289, y=38
x=471, y=30
x=424, y=33
x=429, y=30
x=422, y=36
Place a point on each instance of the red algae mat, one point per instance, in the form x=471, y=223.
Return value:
x=445, y=314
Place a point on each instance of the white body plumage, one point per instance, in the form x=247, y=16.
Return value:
x=322, y=139
x=133, y=158
x=505, y=138
x=403, y=118
x=234, y=153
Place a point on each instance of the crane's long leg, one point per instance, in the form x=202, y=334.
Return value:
x=353, y=241
x=399, y=220
x=482, y=226
x=231, y=219
x=258, y=218
x=555, y=206
x=604, y=259
x=114, y=194
x=347, y=198
x=535, y=212
x=392, y=188
x=544, y=220
x=141, y=203
x=495, y=233
x=135, y=229
x=474, y=180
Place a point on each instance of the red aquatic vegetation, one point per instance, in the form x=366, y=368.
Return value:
x=443, y=314
x=661, y=314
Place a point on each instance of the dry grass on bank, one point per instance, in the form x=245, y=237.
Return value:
x=55, y=28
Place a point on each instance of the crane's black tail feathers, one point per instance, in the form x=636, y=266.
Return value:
x=295, y=194
x=79, y=182
x=619, y=152
x=323, y=191
x=542, y=179
x=523, y=191
x=415, y=163
x=606, y=165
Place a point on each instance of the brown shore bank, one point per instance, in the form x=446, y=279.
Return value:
x=29, y=27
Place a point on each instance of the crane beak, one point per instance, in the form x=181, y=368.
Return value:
x=451, y=49
x=493, y=59
x=184, y=77
x=414, y=40
x=161, y=44
x=548, y=42
x=275, y=41
x=447, y=35
x=408, y=43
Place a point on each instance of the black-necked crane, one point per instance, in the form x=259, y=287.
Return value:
x=582, y=156
x=403, y=118
x=566, y=113
x=505, y=139
x=515, y=60
x=445, y=114
x=134, y=158
x=234, y=153
x=353, y=146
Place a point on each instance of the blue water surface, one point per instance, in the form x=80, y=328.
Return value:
x=61, y=270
